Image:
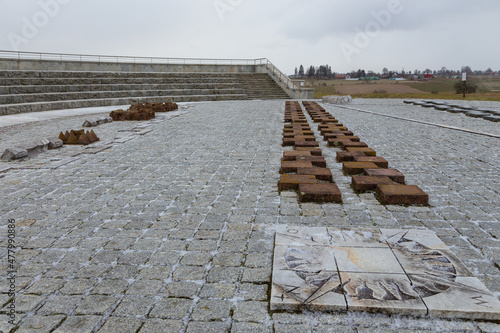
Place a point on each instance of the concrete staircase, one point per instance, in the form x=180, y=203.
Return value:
x=261, y=86
x=32, y=91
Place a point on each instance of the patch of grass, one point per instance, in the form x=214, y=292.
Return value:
x=445, y=85
x=442, y=85
x=433, y=89
x=321, y=91
x=490, y=82
x=491, y=96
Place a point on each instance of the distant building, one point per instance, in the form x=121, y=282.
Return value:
x=341, y=77
x=348, y=78
x=428, y=76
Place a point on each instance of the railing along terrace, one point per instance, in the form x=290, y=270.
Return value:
x=276, y=72
x=22, y=55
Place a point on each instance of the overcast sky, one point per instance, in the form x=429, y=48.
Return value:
x=347, y=35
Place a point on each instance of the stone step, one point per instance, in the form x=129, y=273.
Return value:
x=142, y=80
x=12, y=82
x=121, y=74
x=32, y=91
x=52, y=97
x=38, y=89
x=267, y=97
x=262, y=87
x=47, y=106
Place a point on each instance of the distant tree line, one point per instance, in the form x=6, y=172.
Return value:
x=321, y=72
x=326, y=72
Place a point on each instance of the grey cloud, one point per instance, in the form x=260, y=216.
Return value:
x=286, y=31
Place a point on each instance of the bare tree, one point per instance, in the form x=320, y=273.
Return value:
x=466, y=69
x=301, y=70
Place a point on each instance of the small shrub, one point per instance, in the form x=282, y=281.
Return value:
x=470, y=87
x=380, y=91
x=434, y=92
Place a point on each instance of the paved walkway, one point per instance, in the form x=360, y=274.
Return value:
x=173, y=230
x=24, y=118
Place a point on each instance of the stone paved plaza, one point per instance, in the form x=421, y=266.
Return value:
x=173, y=230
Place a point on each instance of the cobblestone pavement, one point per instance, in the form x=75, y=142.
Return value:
x=172, y=230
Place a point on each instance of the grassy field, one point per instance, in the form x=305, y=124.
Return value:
x=436, y=85
x=429, y=89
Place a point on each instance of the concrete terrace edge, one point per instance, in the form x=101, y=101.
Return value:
x=52, y=65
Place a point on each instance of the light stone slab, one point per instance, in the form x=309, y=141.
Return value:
x=408, y=272
x=304, y=258
x=289, y=292
x=469, y=297
x=369, y=260
x=364, y=237
x=426, y=238
x=428, y=261
x=302, y=236
x=387, y=293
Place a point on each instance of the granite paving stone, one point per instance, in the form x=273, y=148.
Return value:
x=79, y=324
x=45, y=286
x=134, y=306
x=171, y=308
x=189, y=273
x=240, y=327
x=78, y=286
x=59, y=305
x=111, y=287
x=207, y=326
x=174, y=205
x=253, y=292
x=218, y=290
x=26, y=303
x=96, y=305
x=224, y=274
x=228, y=259
x=145, y=287
x=37, y=323
x=251, y=311
x=212, y=310
x=161, y=325
x=121, y=324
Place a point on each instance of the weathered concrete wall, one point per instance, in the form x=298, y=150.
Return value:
x=41, y=65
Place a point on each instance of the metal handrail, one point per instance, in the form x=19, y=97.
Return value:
x=22, y=55
x=277, y=72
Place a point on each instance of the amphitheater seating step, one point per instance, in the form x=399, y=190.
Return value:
x=33, y=91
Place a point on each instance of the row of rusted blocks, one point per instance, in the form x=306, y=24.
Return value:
x=142, y=111
x=369, y=172
x=304, y=168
